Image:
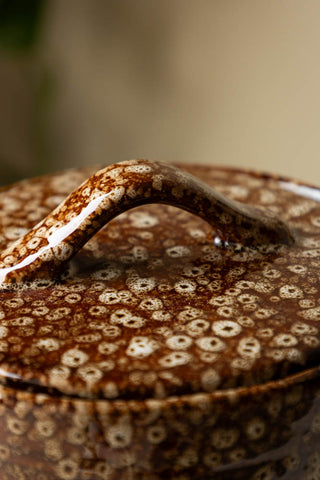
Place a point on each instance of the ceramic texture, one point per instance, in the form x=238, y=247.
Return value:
x=167, y=347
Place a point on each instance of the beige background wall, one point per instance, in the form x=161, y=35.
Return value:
x=232, y=82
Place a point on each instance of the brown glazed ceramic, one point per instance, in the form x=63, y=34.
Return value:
x=174, y=343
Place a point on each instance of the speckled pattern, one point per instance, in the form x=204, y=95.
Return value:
x=44, y=251
x=139, y=345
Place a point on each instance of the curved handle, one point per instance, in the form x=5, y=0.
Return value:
x=44, y=250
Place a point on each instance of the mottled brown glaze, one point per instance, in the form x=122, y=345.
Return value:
x=44, y=251
x=268, y=432
x=156, y=353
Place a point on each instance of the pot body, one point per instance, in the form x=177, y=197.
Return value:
x=55, y=427
x=260, y=433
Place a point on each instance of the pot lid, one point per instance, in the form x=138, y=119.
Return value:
x=220, y=292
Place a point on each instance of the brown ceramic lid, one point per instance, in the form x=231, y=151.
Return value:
x=160, y=301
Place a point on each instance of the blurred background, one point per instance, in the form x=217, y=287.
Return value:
x=206, y=81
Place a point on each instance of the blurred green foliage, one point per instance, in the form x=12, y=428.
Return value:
x=19, y=24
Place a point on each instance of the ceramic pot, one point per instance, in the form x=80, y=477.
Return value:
x=173, y=343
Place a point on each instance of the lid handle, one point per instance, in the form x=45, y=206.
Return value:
x=44, y=251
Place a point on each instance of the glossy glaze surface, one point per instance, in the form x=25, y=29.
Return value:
x=131, y=354
x=269, y=432
x=152, y=307
x=45, y=250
